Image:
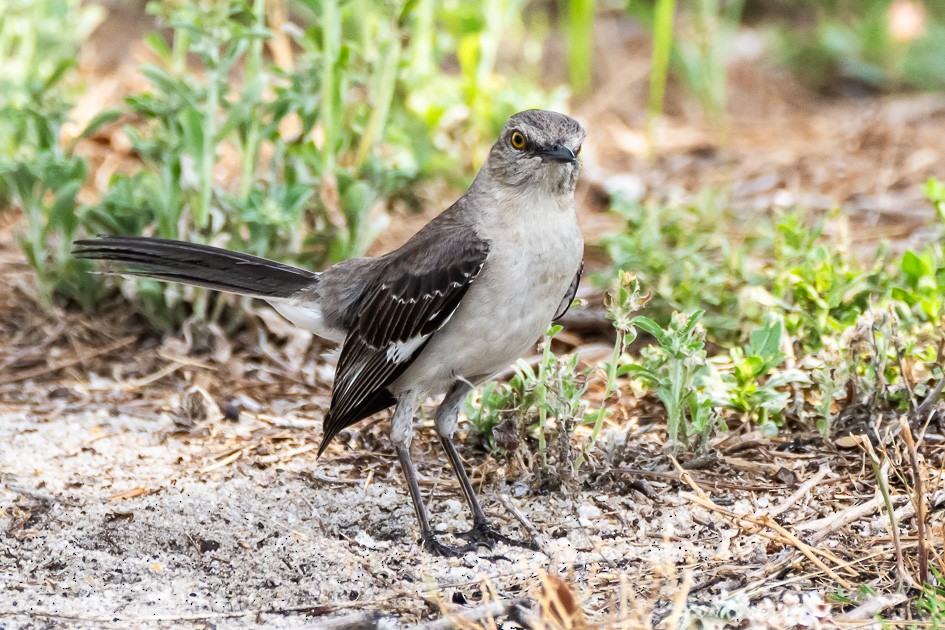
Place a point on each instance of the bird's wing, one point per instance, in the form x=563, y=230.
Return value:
x=405, y=306
x=569, y=296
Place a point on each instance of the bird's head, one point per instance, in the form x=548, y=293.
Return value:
x=537, y=148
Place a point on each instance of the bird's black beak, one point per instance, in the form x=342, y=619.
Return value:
x=557, y=153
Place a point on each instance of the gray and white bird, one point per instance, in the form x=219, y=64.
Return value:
x=461, y=300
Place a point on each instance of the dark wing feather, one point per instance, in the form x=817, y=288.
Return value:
x=569, y=297
x=412, y=299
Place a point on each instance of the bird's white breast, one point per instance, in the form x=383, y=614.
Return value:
x=536, y=251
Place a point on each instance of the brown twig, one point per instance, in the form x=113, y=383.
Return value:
x=526, y=524
x=75, y=360
x=801, y=492
x=920, y=499
x=783, y=535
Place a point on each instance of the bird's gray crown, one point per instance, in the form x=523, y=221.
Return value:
x=537, y=148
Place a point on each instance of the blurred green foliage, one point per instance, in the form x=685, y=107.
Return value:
x=874, y=44
x=292, y=160
x=39, y=42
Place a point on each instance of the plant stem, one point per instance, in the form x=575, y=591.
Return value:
x=610, y=388
x=254, y=80
x=580, y=43
x=385, y=80
x=331, y=44
x=662, y=43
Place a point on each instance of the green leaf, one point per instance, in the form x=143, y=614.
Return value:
x=765, y=342
x=787, y=377
x=156, y=43
x=100, y=119
x=648, y=325
x=914, y=266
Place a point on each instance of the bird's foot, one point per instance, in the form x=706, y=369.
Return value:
x=487, y=536
x=437, y=548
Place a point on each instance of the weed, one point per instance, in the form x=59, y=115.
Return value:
x=38, y=44
x=866, y=45
x=672, y=368
x=580, y=31
x=540, y=403
x=682, y=260
x=694, y=49
x=622, y=302
x=748, y=384
x=290, y=157
x=795, y=322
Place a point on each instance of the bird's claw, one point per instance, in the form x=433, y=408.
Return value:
x=437, y=548
x=483, y=534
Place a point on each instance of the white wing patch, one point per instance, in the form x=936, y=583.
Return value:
x=402, y=350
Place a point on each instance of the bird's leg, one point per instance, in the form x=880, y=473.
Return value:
x=482, y=533
x=401, y=436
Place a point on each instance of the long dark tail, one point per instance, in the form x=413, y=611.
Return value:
x=200, y=265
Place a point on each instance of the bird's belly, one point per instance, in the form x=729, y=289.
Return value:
x=504, y=313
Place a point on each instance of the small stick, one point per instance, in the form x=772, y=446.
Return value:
x=766, y=521
x=684, y=474
x=467, y=618
x=920, y=500
x=801, y=492
x=527, y=525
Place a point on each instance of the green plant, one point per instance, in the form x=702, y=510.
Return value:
x=830, y=378
x=580, y=32
x=672, y=369
x=921, y=284
x=877, y=44
x=682, y=259
x=536, y=403
x=291, y=157
x=821, y=287
x=694, y=46
x=866, y=334
x=470, y=107
x=622, y=301
x=930, y=603
x=40, y=176
x=748, y=382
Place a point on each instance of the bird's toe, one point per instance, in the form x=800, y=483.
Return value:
x=485, y=535
x=437, y=548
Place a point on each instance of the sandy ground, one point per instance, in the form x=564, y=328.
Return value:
x=288, y=540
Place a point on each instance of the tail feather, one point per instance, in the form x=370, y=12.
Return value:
x=199, y=265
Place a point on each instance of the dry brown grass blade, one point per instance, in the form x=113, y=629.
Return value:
x=783, y=535
x=921, y=501
x=559, y=604
x=64, y=363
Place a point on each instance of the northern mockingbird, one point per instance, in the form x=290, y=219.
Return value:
x=460, y=301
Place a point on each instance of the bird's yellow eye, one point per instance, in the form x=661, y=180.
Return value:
x=517, y=140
